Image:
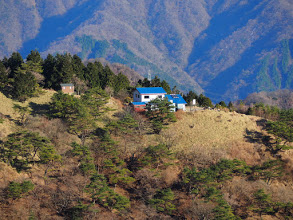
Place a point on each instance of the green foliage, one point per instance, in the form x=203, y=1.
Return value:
x=265, y=111
x=99, y=76
x=289, y=81
x=82, y=113
x=14, y=62
x=269, y=170
x=127, y=125
x=24, y=148
x=206, y=183
x=93, y=73
x=121, y=82
x=204, y=101
x=166, y=86
x=160, y=114
x=276, y=76
x=34, y=57
x=155, y=82
x=102, y=194
x=24, y=86
x=100, y=49
x=282, y=130
x=107, y=77
x=163, y=201
x=87, y=44
x=231, y=106
x=3, y=75
x=78, y=67
x=128, y=56
x=222, y=171
x=65, y=106
x=285, y=54
x=121, y=176
x=23, y=111
x=77, y=212
x=223, y=211
x=144, y=83
x=114, y=167
x=155, y=155
x=223, y=104
x=17, y=190
x=87, y=165
x=263, y=79
x=59, y=69
x=263, y=204
x=95, y=99
x=190, y=96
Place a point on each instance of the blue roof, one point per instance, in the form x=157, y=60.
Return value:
x=150, y=90
x=138, y=103
x=177, y=99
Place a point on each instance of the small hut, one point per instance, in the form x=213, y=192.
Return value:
x=67, y=88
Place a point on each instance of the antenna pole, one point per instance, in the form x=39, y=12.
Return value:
x=149, y=76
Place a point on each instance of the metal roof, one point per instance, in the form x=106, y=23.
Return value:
x=151, y=90
x=66, y=84
x=138, y=103
x=176, y=98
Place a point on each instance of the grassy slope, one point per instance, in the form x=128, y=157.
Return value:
x=214, y=135
x=212, y=128
x=6, y=108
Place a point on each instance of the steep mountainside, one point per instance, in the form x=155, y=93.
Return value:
x=226, y=48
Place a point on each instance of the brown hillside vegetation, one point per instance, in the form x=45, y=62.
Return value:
x=214, y=135
x=188, y=172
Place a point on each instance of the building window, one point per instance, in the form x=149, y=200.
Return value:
x=159, y=96
x=70, y=87
x=137, y=96
x=63, y=87
x=146, y=97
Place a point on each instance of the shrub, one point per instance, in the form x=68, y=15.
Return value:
x=17, y=190
x=163, y=201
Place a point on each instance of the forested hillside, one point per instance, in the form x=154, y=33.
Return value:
x=90, y=156
x=228, y=49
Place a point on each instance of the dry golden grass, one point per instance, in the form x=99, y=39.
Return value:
x=212, y=128
x=114, y=106
x=43, y=98
x=6, y=128
x=213, y=134
x=6, y=106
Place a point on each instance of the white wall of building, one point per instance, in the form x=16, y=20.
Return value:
x=181, y=106
x=137, y=97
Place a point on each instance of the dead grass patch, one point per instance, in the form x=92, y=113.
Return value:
x=8, y=174
x=6, y=128
x=6, y=106
x=210, y=135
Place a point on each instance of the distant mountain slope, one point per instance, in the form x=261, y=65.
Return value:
x=281, y=98
x=225, y=48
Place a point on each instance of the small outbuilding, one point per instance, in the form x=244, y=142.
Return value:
x=67, y=88
x=177, y=100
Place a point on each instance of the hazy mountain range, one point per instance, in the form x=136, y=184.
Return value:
x=225, y=48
